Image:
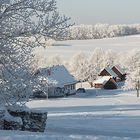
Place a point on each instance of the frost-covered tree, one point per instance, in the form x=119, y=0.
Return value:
x=54, y=60
x=121, y=59
x=86, y=69
x=40, y=58
x=99, y=31
x=91, y=73
x=78, y=66
x=97, y=58
x=133, y=68
x=23, y=26
x=94, y=65
x=133, y=60
x=133, y=81
x=109, y=58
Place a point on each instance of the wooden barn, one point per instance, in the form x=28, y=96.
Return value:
x=108, y=72
x=105, y=82
x=120, y=72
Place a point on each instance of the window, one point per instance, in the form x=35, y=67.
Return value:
x=71, y=87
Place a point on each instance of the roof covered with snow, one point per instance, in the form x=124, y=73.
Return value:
x=102, y=80
x=111, y=72
x=119, y=69
x=59, y=74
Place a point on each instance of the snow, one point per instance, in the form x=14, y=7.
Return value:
x=59, y=74
x=111, y=72
x=102, y=80
x=96, y=114
x=8, y=117
x=110, y=114
x=67, y=49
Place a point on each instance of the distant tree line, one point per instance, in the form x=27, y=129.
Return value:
x=99, y=31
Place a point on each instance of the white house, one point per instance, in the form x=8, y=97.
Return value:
x=65, y=84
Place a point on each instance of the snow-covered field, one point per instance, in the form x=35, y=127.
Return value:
x=94, y=115
x=66, y=49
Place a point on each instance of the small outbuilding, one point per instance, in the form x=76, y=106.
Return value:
x=105, y=82
x=120, y=72
x=108, y=72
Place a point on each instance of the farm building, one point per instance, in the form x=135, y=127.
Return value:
x=120, y=72
x=108, y=72
x=65, y=84
x=105, y=82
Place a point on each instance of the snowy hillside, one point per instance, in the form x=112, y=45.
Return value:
x=68, y=48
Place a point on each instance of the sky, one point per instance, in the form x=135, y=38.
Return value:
x=101, y=11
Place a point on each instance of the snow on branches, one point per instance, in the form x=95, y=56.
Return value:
x=23, y=24
x=87, y=68
x=99, y=31
x=133, y=68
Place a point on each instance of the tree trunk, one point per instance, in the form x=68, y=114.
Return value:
x=138, y=87
x=91, y=84
x=137, y=92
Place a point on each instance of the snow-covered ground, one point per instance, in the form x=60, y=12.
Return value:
x=66, y=49
x=94, y=115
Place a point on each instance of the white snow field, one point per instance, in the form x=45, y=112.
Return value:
x=66, y=49
x=94, y=115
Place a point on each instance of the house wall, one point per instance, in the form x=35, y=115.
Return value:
x=70, y=89
x=55, y=92
x=98, y=85
x=51, y=92
x=61, y=92
x=117, y=72
x=121, y=76
x=104, y=73
x=111, y=84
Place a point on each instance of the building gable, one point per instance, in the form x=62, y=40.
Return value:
x=108, y=72
x=121, y=74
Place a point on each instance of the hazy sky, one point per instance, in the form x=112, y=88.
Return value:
x=101, y=11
